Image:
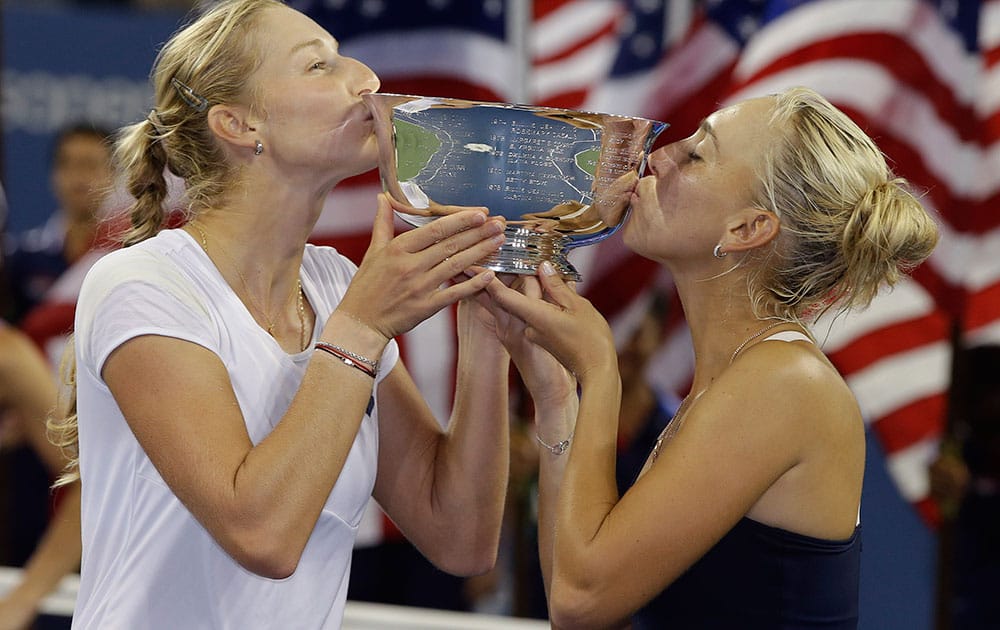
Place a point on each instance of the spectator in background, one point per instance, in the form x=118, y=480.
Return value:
x=81, y=179
x=27, y=396
x=645, y=412
x=45, y=267
x=965, y=481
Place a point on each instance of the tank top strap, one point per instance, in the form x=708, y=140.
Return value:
x=788, y=335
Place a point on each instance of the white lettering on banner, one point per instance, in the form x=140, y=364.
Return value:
x=41, y=102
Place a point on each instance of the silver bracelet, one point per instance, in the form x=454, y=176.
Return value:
x=357, y=357
x=559, y=447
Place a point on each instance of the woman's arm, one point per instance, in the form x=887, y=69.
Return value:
x=446, y=488
x=553, y=392
x=611, y=555
x=56, y=556
x=27, y=388
x=261, y=502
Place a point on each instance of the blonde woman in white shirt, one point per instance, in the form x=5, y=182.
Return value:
x=239, y=392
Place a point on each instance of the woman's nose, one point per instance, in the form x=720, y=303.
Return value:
x=657, y=161
x=367, y=80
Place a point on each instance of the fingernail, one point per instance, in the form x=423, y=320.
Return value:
x=547, y=268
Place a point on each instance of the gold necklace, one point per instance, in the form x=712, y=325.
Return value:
x=760, y=332
x=296, y=291
x=675, y=423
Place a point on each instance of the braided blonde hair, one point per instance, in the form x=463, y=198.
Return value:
x=205, y=63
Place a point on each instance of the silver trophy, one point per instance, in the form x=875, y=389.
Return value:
x=560, y=177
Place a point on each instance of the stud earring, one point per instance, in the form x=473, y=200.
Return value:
x=718, y=253
x=258, y=148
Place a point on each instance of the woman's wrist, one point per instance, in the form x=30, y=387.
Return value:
x=555, y=418
x=598, y=372
x=478, y=344
x=556, y=447
x=346, y=331
x=557, y=398
x=28, y=595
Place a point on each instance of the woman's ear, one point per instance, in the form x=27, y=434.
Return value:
x=749, y=229
x=229, y=124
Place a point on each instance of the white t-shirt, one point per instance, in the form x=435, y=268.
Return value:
x=147, y=563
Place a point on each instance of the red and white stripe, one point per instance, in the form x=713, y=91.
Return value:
x=981, y=321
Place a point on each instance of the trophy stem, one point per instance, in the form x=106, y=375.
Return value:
x=525, y=249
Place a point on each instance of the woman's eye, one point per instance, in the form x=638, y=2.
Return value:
x=318, y=65
x=694, y=157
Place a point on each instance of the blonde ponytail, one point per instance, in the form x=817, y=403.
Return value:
x=61, y=424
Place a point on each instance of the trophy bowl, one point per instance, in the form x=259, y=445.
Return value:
x=560, y=177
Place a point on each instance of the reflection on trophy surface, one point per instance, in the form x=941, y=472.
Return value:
x=561, y=178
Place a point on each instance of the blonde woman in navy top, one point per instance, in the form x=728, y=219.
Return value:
x=746, y=512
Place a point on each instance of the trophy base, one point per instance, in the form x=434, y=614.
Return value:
x=525, y=249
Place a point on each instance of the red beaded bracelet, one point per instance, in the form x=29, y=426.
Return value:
x=341, y=354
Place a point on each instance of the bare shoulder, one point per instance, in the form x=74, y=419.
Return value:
x=800, y=364
x=799, y=384
x=813, y=416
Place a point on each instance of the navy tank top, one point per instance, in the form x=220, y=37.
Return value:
x=762, y=577
x=759, y=576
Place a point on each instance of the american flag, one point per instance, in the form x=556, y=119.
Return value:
x=921, y=76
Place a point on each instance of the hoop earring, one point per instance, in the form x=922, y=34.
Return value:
x=258, y=148
x=718, y=253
